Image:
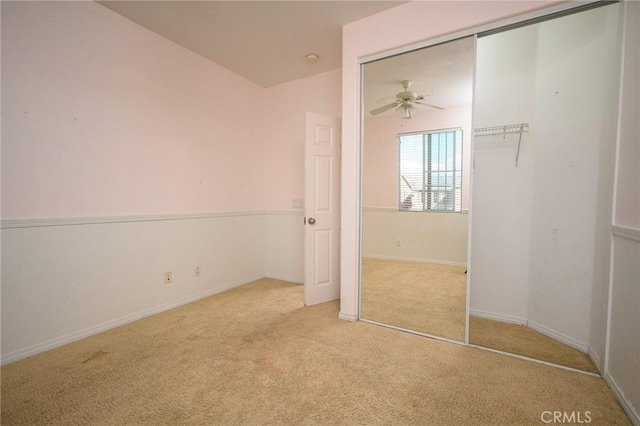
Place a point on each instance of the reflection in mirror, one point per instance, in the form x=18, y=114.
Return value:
x=541, y=229
x=415, y=186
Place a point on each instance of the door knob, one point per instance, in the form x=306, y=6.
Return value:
x=311, y=221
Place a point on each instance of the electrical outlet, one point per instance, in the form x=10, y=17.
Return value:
x=398, y=243
x=168, y=277
x=196, y=271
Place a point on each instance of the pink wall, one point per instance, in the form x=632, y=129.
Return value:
x=287, y=105
x=103, y=117
x=419, y=21
x=380, y=156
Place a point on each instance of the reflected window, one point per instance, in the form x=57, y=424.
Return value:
x=430, y=166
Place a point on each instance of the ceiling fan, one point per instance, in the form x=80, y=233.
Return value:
x=405, y=102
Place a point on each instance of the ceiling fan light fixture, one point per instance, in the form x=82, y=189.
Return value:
x=312, y=57
x=405, y=102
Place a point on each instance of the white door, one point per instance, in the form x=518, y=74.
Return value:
x=322, y=210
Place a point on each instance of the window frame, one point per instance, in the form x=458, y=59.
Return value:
x=425, y=134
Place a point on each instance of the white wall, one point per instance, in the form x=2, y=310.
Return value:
x=502, y=204
x=123, y=157
x=419, y=21
x=61, y=283
x=623, y=361
x=571, y=233
x=415, y=236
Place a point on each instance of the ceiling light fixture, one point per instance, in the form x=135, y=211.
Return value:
x=406, y=112
x=312, y=57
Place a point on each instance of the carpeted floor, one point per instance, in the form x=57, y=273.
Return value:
x=521, y=340
x=425, y=297
x=431, y=298
x=255, y=356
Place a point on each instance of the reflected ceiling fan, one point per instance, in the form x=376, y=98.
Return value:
x=405, y=102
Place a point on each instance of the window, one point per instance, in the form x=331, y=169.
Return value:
x=430, y=165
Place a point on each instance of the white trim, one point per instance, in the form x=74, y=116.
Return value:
x=619, y=231
x=380, y=209
x=538, y=361
x=594, y=358
x=288, y=278
x=570, y=341
x=359, y=193
x=576, y=344
x=467, y=313
x=419, y=333
x=395, y=210
x=73, y=221
x=511, y=319
x=626, y=232
x=285, y=212
x=607, y=325
x=60, y=341
x=347, y=317
x=414, y=259
x=614, y=198
x=622, y=399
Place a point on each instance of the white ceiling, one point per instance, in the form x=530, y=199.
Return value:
x=444, y=71
x=263, y=41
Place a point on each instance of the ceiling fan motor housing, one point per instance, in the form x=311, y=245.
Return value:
x=408, y=96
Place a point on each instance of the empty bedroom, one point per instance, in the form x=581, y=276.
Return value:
x=320, y=212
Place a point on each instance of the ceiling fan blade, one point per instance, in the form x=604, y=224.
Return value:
x=386, y=100
x=384, y=108
x=429, y=105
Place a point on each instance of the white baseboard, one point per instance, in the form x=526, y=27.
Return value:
x=498, y=317
x=288, y=278
x=60, y=341
x=622, y=399
x=415, y=259
x=347, y=317
x=570, y=341
x=533, y=325
x=595, y=359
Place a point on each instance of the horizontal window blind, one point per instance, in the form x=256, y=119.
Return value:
x=430, y=166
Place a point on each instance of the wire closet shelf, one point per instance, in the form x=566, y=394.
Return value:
x=504, y=130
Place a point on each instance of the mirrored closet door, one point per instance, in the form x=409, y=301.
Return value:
x=545, y=129
x=543, y=141
x=415, y=189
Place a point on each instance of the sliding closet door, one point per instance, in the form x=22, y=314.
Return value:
x=545, y=119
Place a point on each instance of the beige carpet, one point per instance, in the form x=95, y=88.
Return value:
x=425, y=297
x=521, y=340
x=256, y=356
x=431, y=298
